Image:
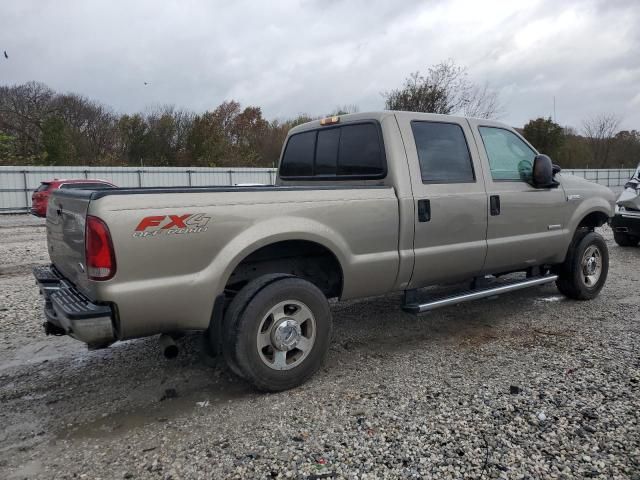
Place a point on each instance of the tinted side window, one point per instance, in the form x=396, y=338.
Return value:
x=360, y=152
x=442, y=152
x=85, y=186
x=327, y=151
x=298, y=155
x=509, y=157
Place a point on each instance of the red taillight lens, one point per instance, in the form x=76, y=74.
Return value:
x=100, y=257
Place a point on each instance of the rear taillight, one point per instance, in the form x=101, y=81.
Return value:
x=100, y=257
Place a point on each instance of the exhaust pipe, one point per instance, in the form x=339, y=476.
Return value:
x=168, y=346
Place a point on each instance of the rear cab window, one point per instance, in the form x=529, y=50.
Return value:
x=342, y=152
x=298, y=156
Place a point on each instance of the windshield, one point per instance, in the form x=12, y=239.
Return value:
x=634, y=182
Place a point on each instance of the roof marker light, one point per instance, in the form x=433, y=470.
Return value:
x=329, y=120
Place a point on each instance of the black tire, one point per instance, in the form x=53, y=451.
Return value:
x=236, y=307
x=572, y=279
x=245, y=317
x=625, y=240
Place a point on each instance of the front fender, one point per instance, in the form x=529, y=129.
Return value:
x=589, y=206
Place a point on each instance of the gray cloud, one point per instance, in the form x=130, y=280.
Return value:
x=309, y=56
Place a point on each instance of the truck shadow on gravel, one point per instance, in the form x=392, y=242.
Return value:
x=131, y=385
x=379, y=322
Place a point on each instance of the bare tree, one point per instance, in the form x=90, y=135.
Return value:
x=482, y=102
x=418, y=94
x=167, y=134
x=344, y=109
x=93, y=126
x=23, y=109
x=446, y=89
x=600, y=130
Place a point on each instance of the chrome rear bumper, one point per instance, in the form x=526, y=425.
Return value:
x=71, y=312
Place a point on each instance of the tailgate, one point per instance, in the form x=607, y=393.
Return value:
x=66, y=215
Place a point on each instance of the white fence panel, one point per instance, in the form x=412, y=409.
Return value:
x=18, y=183
x=609, y=177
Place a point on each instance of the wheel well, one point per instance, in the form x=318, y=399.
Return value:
x=302, y=258
x=593, y=220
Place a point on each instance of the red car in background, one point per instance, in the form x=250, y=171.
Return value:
x=40, y=197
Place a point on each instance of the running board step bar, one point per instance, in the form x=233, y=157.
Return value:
x=469, y=295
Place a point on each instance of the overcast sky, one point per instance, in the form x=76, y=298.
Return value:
x=310, y=56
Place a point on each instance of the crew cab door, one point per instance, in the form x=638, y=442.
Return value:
x=450, y=200
x=526, y=225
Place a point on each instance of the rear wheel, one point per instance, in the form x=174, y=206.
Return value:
x=278, y=333
x=236, y=307
x=585, y=269
x=625, y=240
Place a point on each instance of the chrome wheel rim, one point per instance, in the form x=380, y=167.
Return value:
x=591, y=266
x=286, y=335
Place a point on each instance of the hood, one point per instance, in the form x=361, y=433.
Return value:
x=575, y=183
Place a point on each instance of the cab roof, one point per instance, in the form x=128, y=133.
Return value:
x=381, y=115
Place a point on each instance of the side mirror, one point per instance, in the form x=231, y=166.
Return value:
x=543, y=172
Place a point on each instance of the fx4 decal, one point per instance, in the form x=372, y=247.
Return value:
x=157, y=225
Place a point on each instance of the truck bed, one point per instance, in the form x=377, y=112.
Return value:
x=183, y=269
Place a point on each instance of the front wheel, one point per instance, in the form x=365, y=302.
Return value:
x=280, y=334
x=585, y=269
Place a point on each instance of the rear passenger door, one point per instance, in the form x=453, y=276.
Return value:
x=450, y=199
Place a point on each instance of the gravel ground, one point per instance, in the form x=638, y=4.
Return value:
x=528, y=385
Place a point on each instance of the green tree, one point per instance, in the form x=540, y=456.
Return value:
x=574, y=152
x=58, y=145
x=132, y=130
x=625, y=151
x=205, y=142
x=7, y=149
x=418, y=94
x=249, y=131
x=232, y=136
x=546, y=135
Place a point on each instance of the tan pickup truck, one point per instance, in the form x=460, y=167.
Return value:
x=365, y=204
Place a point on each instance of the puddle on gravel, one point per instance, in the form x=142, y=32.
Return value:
x=551, y=298
x=40, y=351
x=30, y=469
x=119, y=423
